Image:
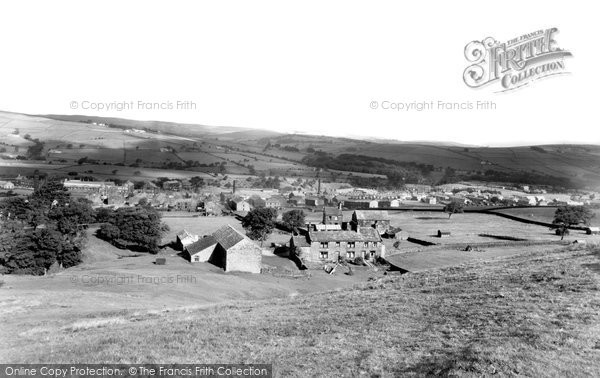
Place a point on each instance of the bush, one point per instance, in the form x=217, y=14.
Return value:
x=359, y=261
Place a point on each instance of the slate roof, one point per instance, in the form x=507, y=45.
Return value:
x=367, y=234
x=372, y=215
x=227, y=236
x=332, y=211
x=201, y=244
x=183, y=234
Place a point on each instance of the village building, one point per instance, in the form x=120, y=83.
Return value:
x=184, y=204
x=212, y=208
x=228, y=249
x=354, y=204
x=333, y=215
x=172, y=185
x=297, y=200
x=314, y=201
x=239, y=204
x=376, y=219
x=7, y=185
x=275, y=202
x=324, y=246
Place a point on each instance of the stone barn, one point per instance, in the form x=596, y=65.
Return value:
x=185, y=238
x=229, y=249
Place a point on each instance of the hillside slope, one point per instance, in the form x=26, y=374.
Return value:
x=69, y=138
x=536, y=314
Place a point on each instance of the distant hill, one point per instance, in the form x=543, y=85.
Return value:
x=426, y=162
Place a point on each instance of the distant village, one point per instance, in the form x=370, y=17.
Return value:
x=331, y=239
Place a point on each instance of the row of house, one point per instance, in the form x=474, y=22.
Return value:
x=334, y=239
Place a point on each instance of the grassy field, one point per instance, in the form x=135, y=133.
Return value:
x=542, y=214
x=535, y=314
x=466, y=228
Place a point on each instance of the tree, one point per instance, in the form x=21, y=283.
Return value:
x=103, y=215
x=69, y=218
x=453, y=207
x=52, y=191
x=197, y=182
x=567, y=216
x=134, y=226
x=259, y=223
x=572, y=215
x=293, y=219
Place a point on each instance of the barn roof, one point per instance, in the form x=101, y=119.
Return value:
x=332, y=211
x=372, y=215
x=227, y=236
x=201, y=244
x=368, y=234
x=300, y=241
x=183, y=234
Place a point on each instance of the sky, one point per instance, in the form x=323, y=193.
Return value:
x=323, y=67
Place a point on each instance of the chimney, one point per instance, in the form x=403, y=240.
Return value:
x=319, y=187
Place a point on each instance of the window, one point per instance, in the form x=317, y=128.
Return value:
x=363, y=254
x=337, y=244
x=196, y=258
x=324, y=255
x=366, y=244
x=350, y=244
x=350, y=254
x=324, y=245
x=372, y=254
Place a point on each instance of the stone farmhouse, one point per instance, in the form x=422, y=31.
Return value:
x=227, y=249
x=325, y=246
x=239, y=204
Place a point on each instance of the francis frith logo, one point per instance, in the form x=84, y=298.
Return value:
x=515, y=63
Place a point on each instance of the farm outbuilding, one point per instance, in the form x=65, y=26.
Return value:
x=185, y=238
x=229, y=249
x=443, y=234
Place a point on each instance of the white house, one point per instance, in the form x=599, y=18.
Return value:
x=7, y=185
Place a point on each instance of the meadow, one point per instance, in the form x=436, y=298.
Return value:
x=532, y=314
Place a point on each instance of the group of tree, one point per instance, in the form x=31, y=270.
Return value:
x=394, y=174
x=42, y=230
x=137, y=227
x=260, y=222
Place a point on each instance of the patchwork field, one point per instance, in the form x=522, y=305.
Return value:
x=75, y=140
